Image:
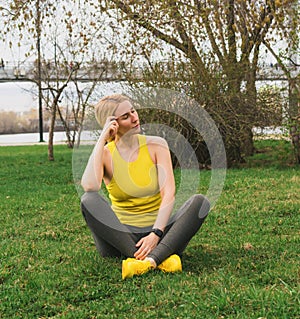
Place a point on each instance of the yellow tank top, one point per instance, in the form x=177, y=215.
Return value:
x=134, y=189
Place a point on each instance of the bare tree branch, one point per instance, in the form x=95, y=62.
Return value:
x=278, y=59
x=142, y=22
x=231, y=31
x=211, y=35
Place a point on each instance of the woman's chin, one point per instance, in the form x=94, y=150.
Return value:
x=136, y=130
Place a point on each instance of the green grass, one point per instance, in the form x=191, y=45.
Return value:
x=244, y=262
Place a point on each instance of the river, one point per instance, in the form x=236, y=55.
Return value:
x=60, y=137
x=34, y=138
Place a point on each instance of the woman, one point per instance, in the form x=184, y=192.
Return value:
x=138, y=175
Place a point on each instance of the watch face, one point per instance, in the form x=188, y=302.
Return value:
x=157, y=232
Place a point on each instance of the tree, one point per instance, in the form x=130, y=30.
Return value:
x=64, y=73
x=30, y=17
x=271, y=106
x=287, y=62
x=213, y=50
x=60, y=34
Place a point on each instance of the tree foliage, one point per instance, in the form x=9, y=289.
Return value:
x=60, y=37
x=213, y=49
x=210, y=49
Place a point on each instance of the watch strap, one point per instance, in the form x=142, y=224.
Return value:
x=157, y=232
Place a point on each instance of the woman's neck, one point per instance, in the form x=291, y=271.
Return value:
x=127, y=141
x=128, y=147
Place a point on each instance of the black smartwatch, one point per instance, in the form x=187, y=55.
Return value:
x=157, y=232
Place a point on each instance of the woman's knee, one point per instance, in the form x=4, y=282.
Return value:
x=203, y=205
x=91, y=200
x=87, y=197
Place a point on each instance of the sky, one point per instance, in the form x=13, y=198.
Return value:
x=16, y=96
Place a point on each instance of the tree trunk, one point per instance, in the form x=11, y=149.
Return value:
x=250, y=105
x=233, y=147
x=295, y=136
x=247, y=142
x=51, y=133
x=70, y=139
x=294, y=111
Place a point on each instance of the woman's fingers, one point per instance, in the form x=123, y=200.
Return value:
x=110, y=128
x=110, y=119
x=142, y=252
x=146, y=245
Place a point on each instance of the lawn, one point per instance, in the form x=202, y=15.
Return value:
x=244, y=262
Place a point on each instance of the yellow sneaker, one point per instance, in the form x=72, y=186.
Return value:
x=171, y=264
x=132, y=266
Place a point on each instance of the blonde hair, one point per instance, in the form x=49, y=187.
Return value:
x=107, y=106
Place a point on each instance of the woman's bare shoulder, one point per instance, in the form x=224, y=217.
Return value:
x=106, y=152
x=156, y=140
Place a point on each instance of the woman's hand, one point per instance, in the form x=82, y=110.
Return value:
x=110, y=128
x=146, y=245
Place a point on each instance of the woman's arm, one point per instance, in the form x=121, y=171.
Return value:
x=167, y=190
x=166, y=184
x=92, y=177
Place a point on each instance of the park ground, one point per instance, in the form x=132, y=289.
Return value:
x=244, y=262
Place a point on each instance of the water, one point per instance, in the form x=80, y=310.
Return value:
x=34, y=138
x=60, y=137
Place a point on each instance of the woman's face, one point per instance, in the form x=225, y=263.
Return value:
x=127, y=118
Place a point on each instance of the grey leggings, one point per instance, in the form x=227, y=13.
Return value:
x=115, y=239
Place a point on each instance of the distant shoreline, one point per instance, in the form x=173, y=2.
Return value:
x=29, y=132
x=18, y=139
